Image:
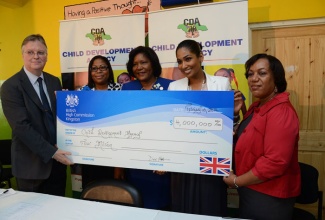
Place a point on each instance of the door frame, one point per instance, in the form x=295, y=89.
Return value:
x=281, y=24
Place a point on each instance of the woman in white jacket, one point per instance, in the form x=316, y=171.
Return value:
x=195, y=193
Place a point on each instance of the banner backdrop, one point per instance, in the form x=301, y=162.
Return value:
x=113, y=37
x=221, y=28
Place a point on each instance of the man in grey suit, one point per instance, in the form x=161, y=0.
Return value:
x=29, y=104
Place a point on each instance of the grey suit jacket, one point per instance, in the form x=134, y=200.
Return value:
x=31, y=151
x=214, y=83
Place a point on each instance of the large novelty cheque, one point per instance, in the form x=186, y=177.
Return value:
x=180, y=131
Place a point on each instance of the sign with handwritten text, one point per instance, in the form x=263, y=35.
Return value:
x=109, y=7
x=180, y=131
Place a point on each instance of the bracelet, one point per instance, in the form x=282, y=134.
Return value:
x=236, y=123
x=236, y=119
x=235, y=182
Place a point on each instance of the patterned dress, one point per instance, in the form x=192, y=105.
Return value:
x=111, y=86
x=94, y=172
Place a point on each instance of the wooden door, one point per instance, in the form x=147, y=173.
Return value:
x=302, y=53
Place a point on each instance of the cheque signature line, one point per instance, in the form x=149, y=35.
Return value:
x=162, y=162
x=150, y=150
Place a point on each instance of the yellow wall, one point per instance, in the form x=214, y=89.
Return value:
x=39, y=16
x=36, y=16
x=279, y=10
x=16, y=22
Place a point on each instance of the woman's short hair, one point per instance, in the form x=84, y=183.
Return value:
x=149, y=54
x=91, y=83
x=275, y=66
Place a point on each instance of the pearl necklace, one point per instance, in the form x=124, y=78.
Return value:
x=203, y=85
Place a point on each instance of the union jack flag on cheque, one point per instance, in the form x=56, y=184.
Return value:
x=215, y=165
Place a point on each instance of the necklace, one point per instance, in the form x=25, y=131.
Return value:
x=151, y=87
x=203, y=85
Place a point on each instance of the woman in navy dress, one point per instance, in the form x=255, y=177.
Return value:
x=154, y=186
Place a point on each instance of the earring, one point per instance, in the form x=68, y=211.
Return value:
x=275, y=89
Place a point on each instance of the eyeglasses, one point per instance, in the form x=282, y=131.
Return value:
x=32, y=53
x=101, y=68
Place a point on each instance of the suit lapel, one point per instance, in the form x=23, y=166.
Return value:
x=29, y=89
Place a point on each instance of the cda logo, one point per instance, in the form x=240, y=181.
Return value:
x=97, y=35
x=191, y=27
